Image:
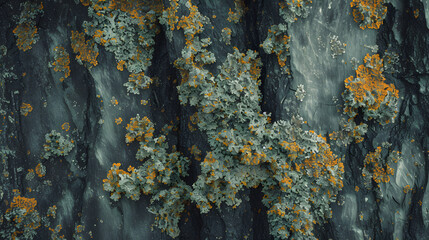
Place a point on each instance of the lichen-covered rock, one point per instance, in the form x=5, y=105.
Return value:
x=255, y=120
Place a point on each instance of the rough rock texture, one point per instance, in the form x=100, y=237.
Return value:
x=86, y=101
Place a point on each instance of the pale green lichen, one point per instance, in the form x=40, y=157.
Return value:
x=57, y=145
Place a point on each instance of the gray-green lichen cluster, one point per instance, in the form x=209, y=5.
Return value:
x=160, y=176
x=337, y=47
x=57, y=145
x=369, y=92
x=137, y=82
x=128, y=33
x=26, y=30
x=20, y=221
x=226, y=35
x=277, y=41
x=297, y=170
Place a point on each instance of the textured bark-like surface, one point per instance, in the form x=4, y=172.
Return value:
x=93, y=107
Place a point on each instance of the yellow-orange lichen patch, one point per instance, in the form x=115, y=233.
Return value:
x=65, y=126
x=40, y=170
x=62, y=62
x=369, y=88
x=25, y=109
x=86, y=51
x=369, y=13
x=26, y=31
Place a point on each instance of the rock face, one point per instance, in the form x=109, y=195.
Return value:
x=242, y=109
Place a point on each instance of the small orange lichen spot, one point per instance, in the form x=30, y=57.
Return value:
x=416, y=13
x=144, y=102
x=196, y=152
x=412, y=140
x=79, y=228
x=120, y=65
x=357, y=189
x=407, y=188
x=420, y=202
x=65, y=126
x=24, y=74
x=118, y=121
x=40, y=170
x=114, y=101
x=25, y=109
x=214, y=16
x=85, y=2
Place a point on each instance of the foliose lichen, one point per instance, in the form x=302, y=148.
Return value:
x=61, y=62
x=57, y=145
x=127, y=29
x=369, y=13
x=369, y=92
x=26, y=30
x=21, y=219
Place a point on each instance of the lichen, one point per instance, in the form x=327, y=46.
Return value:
x=21, y=219
x=226, y=35
x=86, y=51
x=369, y=13
x=25, y=109
x=160, y=176
x=26, y=31
x=127, y=29
x=61, y=62
x=369, y=92
x=337, y=47
x=57, y=145
x=378, y=165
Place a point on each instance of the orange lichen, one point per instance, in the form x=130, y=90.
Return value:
x=407, y=188
x=26, y=34
x=170, y=14
x=24, y=203
x=112, y=175
x=139, y=80
x=62, y=61
x=40, y=170
x=86, y=51
x=120, y=65
x=139, y=129
x=416, y=13
x=239, y=8
x=191, y=23
x=195, y=152
x=25, y=109
x=26, y=30
x=369, y=88
x=379, y=170
x=30, y=221
x=66, y=126
x=80, y=228
x=369, y=13
x=118, y=121
x=52, y=211
x=320, y=164
x=194, y=120
x=85, y=2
